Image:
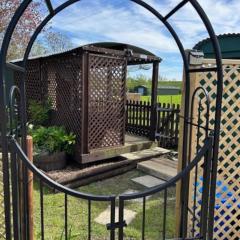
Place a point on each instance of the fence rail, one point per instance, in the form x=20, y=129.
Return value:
x=138, y=116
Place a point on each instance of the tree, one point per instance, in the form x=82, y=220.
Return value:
x=51, y=41
x=38, y=49
x=58, y=42
x=24, y=29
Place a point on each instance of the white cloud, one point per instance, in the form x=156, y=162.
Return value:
x=123, y=21
x=118, y=24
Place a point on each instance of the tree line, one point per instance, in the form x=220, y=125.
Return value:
x=142, y=80
x=51, y=40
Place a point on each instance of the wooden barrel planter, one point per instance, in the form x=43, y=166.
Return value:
x=51, y=162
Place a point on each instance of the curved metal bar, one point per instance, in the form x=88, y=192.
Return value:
x=172, y=181
x=151, y=191
x=42, y=25
x=207, y=103
x=218, y=111
x=191, y=116
x=197, y=90
x=13, y=91
x=17, y=148
x=170, y=29
x=10, y=29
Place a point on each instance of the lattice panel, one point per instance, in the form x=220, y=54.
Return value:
x=227, y=209
x=35, y=84
x=65, y=92
x=58, y=79
x=2, y=224
x=106, y=101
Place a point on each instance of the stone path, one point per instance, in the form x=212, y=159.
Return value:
x=148, y=181
x=104, y=217
x=147, y=153
x=160, y=167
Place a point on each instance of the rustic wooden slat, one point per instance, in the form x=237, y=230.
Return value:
x=159, y=119
x=140, y=117
x=171, y=124
x=144, y=114
x=137, y=116
x=163, y=126
x=177, y=125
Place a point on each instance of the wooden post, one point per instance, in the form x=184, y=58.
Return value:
x=30, y=187
x=179, y=200
x=153, y=123
x=85, y=106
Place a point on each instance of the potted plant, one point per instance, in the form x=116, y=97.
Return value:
x=52, y=146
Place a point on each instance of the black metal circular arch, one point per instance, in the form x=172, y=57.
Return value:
x=164, y=20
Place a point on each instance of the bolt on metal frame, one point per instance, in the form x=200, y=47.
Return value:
x=5, y=140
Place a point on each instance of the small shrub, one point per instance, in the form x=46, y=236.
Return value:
x=53, y=139
x=39, y=112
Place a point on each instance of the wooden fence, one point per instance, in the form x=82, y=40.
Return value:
x=138, y=117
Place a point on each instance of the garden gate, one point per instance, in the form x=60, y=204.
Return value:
x=16, y=206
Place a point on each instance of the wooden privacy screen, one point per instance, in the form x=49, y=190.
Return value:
x=59, y=80
x=87, y=92
x=227, y=208
x=106, y=101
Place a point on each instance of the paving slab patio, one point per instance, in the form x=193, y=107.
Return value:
x=148, y=181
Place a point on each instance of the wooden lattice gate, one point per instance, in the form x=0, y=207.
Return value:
x=227, y=207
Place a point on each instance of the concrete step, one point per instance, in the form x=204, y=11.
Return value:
x=160, y=167
x=145, y=154
x=105, y=153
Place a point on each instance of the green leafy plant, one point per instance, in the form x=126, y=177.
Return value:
x=53, y=139
x=39, y=112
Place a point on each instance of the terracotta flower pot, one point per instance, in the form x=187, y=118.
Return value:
x=50, y=162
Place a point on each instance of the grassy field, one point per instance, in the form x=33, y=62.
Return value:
x=78, y=210
x=172, y=99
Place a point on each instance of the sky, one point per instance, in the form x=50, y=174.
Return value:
x=90, y=21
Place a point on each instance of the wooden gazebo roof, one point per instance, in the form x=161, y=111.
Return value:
x=135, y=55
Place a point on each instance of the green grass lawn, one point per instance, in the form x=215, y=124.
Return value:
x=172, y=99
x=78, y=212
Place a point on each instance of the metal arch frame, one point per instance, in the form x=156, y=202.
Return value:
x=164, y=20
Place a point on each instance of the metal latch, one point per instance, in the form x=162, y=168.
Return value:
x=116, y=225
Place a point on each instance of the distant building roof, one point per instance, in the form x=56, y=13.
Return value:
x=229, y=44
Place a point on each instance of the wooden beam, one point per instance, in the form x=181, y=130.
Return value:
x=84, y=125
x=153, y=123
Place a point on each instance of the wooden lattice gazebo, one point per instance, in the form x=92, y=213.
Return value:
x=87, y=88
